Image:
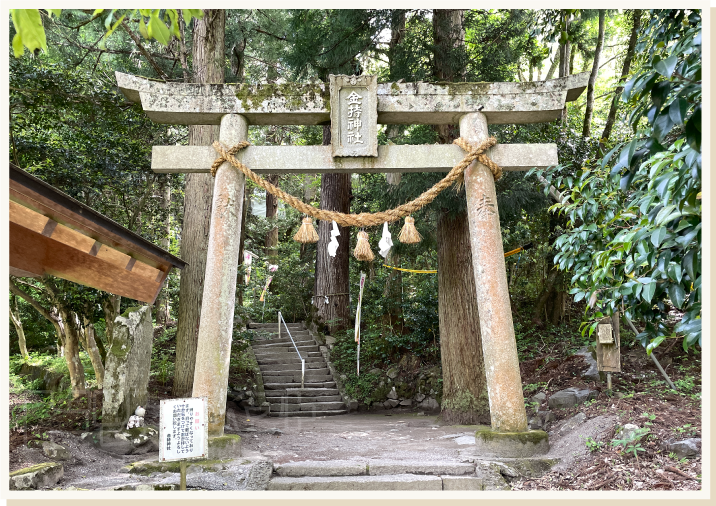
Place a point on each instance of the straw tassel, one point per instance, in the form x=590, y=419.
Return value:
x=409, y=234
x=362, y=251
x=307, y=233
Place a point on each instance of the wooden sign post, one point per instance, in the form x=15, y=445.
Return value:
x=183, y=432
x=607, y=346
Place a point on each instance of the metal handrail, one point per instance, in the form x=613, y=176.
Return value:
x=303, y=361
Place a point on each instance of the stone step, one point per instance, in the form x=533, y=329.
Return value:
x=296, y=379
x=291, y=377
x=393, y=482
x=265, y=335
x=291, y=360
x=297, y=385
x=284, y=355
x=310, y=366
x=322, y=374
x=301, y=392
x=287, y=343
x=298, y=400
x=274, y=325
x=308, y=406
x=374, y=468
x=305, y=351
x=282, y=348
x=309, y=413
x=321, y=468
x=388, y=467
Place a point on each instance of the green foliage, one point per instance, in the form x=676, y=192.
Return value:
x=30, y=32
x=592, y=445
x=635, y=228
x=631, y=443
x=34, y=413
x=362, y=388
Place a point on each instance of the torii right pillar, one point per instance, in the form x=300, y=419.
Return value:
x=509, y=436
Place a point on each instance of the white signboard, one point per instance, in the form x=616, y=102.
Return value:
x=183, y=428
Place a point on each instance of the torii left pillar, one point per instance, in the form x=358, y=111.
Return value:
x=211, y=373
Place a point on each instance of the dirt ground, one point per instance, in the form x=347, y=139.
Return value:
x=638, y=397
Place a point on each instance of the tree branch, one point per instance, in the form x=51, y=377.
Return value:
x=270, y=34
x=30, y=300
x=146, y=54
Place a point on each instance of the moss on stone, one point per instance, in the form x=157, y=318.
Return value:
x=147, y=467
x=464, y=401
x=531, y=436
x=295, y=94
x=481, y=88
x=394, y=88
x=130, y=310
x=224, y=441
x=35, y=468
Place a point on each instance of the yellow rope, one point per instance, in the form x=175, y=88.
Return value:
x=365, y=219
x=409, y=270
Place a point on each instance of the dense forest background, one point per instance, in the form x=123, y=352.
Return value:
x=615, y=227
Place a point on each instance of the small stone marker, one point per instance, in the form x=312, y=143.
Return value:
x=354, y=115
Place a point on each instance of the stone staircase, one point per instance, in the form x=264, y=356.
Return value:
x=281, y=373
x=383, y=475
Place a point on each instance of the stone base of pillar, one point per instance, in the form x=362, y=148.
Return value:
x=227, y=446
x=489, y=443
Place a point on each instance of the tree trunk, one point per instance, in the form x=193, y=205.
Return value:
x=90, y=345
x=448, y=34
x=48, y=315
x=72, y=354
x=241, y=280
x=593, y=78
x=110, y=306
x=625, y=72
x=332, y=272
x=208, y=67
x=565, y=60
x=544, y=296
x=162, y=303
x=17, y=321
x=393, y=294
x=553, y=67
x=465, y=399
x=271, y=241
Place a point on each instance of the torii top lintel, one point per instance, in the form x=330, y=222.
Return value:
x=308, y=104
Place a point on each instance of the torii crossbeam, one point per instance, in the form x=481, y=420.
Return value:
x=471, y=105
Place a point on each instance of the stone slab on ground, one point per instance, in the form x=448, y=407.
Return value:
x=387, y=467
x=321, y=468
x=227, y=446
x=569, y=447
x=393, y=482
x=685, y=448
x=463, y=483
x=54, y=451
x=571, y=397
x=36, y=477
x=593, y=372
x=491, y=443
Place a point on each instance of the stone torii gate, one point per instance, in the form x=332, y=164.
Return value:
x=471, y=105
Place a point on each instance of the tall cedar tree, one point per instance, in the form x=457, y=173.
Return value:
x=465, y=399
x=208, y=67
